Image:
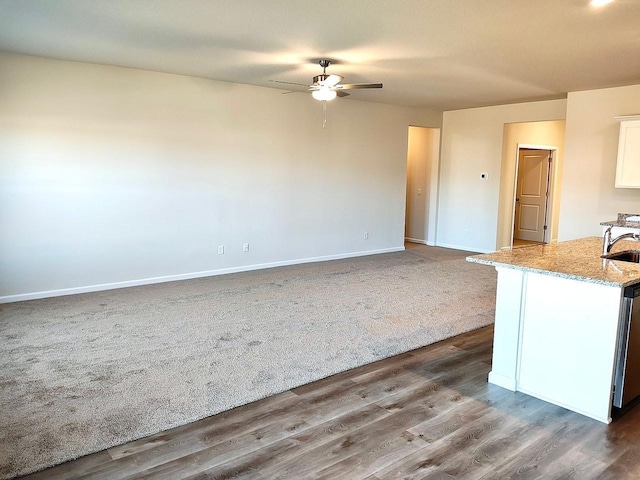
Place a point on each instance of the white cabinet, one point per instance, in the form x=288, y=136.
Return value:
x=555, y=339
x=568, y=343
x=628, y=166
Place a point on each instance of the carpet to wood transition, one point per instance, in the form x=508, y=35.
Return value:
x=82, y=373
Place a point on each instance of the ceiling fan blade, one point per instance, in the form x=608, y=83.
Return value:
x=332, y=80
x=340, y=93
x=325, y=80
x=289, y=83
x=351, y=86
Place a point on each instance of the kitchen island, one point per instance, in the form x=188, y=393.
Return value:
x=557, y=322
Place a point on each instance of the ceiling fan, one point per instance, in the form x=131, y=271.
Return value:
x=327, y=87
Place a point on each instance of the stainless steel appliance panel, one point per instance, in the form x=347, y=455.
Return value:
x=627, y=375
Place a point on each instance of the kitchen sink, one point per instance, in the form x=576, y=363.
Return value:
x=626, y=256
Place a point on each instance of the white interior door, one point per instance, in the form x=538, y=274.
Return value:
x=532, y=190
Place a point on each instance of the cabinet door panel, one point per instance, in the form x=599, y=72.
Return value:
x=568, y=343
x=628, y=166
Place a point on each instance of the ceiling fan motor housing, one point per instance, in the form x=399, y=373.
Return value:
x=319, y=79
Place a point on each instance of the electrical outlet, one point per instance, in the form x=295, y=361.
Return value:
x=245, y=247
x=220, y=249
x=366, y=235
x=466, y=232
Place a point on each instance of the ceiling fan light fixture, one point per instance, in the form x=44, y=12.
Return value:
x=324, y=94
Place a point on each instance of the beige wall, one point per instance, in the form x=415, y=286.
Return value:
x=475, y=141
x=550, y=134
x=422, y=184
x=588, y=193
x=472, y=144
x=114, y=176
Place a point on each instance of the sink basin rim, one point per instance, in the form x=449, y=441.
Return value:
x=631, y=256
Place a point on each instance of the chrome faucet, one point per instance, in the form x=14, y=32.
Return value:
x=608, y=243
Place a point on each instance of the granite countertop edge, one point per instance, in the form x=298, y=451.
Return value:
x=574, y=259
x=617, y=223
x=552, y=273
x=624, y=221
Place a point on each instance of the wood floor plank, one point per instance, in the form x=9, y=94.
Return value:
x=438, y=392
x=626, y=466
x=458, y=449
x=574, y=464
x=473, y=424
x=221, y=425
x=374, y=388
x=391, y=438
x=604, y=442
x=275, y=455
x=72, y=469
x=368, y=459
x=547, y=451
x=174, y=444
x=221, y=453
x=479, y=450
x=373, y=440
x=481, y=337
x=316, y=408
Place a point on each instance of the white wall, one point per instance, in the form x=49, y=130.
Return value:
x=472, y=142
x=588, y=193
x=113, y=176
x=422, y=184
x=533, y=133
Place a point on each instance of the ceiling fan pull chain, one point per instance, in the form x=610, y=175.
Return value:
x=324, y=113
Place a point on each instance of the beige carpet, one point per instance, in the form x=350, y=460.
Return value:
x=82, y=373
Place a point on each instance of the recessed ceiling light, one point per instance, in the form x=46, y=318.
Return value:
x=599, y=3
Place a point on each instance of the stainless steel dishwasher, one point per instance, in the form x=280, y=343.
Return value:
x=627, y=374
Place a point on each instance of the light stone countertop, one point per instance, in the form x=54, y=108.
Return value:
x=575, y=259
x=623, y=221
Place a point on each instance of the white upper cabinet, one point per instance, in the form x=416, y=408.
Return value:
x=628, y=166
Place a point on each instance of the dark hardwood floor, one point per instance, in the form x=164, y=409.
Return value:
x=426, y=414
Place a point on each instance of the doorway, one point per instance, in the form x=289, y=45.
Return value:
x=541, y=135
x=423, y=153
x=532, y=199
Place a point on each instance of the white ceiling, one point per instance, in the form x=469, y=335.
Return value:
x=441, y=54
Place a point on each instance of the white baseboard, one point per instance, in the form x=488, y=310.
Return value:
x=511, y=384
x=422, y=242
x=415, y=240
x=603, y=417
x=502, y=381
x=186, y=276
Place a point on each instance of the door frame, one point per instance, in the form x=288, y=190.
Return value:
x=548, y=234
